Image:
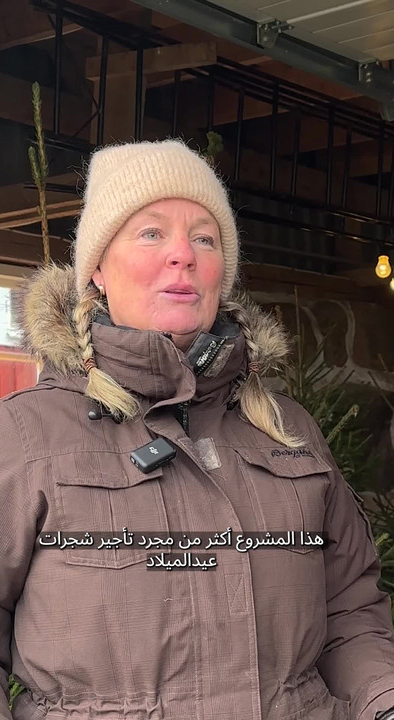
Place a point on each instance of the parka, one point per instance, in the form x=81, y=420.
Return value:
x=281, y=632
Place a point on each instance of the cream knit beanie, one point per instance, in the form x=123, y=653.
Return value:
x=122, y=179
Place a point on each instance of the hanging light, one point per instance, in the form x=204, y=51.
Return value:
x=392, y=284
x=383, y=267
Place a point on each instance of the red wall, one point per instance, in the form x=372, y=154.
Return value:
x=15, y=375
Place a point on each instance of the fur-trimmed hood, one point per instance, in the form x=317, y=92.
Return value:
x=46, y=303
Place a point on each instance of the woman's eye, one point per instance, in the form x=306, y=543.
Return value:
x=206, y=239
x=151, y=234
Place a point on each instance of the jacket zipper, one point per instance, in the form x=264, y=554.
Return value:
x=181, y=409
x=183, y=412
x=205, y=359
x=208, y=356
x=202, y=363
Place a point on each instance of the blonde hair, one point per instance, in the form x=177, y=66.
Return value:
x=101, y=387
x=257, y=404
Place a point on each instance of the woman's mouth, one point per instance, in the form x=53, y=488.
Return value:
x=180, y=296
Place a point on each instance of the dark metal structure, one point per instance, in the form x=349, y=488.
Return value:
x=311, y=231
x=368, y=78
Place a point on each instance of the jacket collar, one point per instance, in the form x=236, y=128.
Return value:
x=148, y=363
x=145, y=362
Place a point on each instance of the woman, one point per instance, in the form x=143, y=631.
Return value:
x=144, y=339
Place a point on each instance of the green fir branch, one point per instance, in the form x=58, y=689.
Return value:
x=43, y=164
x=214, y=147
x=324, y=396
x=39, y=170
x=352, y=412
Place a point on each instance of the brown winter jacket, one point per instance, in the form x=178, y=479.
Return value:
x=274, y=633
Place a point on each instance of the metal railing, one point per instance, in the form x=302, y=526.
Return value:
x=325, y=221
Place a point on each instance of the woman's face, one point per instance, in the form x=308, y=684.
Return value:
x=168, y=247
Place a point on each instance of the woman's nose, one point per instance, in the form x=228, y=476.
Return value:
x=181, y=253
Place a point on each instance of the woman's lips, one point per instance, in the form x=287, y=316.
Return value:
x=188, y=297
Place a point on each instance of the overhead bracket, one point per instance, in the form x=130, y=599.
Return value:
x=369, y=73
x=267, y=33
x=367, y=70
x=221, y=22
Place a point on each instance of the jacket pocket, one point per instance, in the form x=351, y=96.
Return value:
x=288, y=487
x=306, y=696
x=102, y=493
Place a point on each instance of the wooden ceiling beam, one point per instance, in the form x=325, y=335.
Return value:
x=31, y=216
x=22, y=248
x=18, y=197
x=22, y=24
x=311, y=183
x=161, y=59
x=163, y=22
x=363, y=159
x=16, y=104
x=194, y=96
x=257, y=275
x=314, y=132
x=262, y=279
x=307, y=80
x=313, y=135
x=365, y=277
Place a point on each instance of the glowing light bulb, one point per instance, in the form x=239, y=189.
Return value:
x=383, y=268
x=392, y=283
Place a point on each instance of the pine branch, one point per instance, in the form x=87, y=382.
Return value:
x=214, y=147
x=39, y=169
x=36, y=92
x=352, y=412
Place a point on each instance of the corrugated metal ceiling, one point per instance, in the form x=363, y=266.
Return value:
x=359, y=29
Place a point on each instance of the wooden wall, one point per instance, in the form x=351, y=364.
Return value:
x=16, y=371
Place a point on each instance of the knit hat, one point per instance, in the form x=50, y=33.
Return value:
x=123, y=179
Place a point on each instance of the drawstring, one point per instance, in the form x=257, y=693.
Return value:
x=254, y=367
x=89, y=363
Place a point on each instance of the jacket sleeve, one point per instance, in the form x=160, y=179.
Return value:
x=357, y=662
x=17, y=537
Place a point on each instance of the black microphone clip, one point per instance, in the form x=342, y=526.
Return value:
x=100, y=413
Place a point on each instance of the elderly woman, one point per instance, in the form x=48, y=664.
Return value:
x=144, y=342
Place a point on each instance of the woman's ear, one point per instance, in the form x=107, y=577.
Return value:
x=97, y=277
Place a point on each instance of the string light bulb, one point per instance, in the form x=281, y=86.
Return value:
x=392, y=284
x=383, y=267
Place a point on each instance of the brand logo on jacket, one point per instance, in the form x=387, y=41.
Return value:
x=292, y=452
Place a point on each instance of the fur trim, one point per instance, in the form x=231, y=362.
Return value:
x=45, y=306
x=270, y=337
x=46, y=302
